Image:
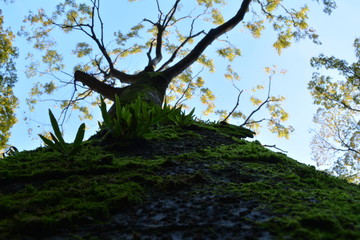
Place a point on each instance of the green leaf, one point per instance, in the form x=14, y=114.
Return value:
x=105, y=115
x=50, y=144
x=217, y=17
x=82, y=49
x=56, y=128
x=79, y=136
x=63, y=146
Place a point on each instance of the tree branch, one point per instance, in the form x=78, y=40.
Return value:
x=179, y=101
x=274, y=146
x=207, y=40
x=123, y=77
x=236, y=105
x=173, y=56
x=96, y=85
x=260, y=106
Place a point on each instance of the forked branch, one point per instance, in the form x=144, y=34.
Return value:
x=213, y=34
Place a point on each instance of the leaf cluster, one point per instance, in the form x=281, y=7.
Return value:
x=288, y=23
x=135, y=120
x=8, y=78
x=336, y=139
x=58, y=143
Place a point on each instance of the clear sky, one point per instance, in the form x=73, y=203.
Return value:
x=337, y=33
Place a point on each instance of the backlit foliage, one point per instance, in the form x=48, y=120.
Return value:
x=186, y=27
x=274, y=115
x=8, y=102
x=337, y=137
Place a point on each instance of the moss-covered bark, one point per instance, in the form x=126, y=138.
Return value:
x=200, y=181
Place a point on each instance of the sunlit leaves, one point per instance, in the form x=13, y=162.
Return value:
x=272, y=5
x=39, y=89
x=231, y=74
x=283, y=41
x=256, y=101
x=54, y=60
x=207, y=98
x=8, y=77
x=289, y=23
x=270, y=106
x=329, y=92
x=179, y=32
x=207, y=62
x=82, y=49
x=185, y=87
x=8, y=104
x=256, y=28
x=121, y=38
x=217, y=17
x=338, y=135
x=335, y=142
x=200, y=82
x=357, y=47
x=210, y=3
x=229, y=53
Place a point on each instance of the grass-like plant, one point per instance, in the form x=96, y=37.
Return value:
x=58, y=143
x=130, y=121
x=177, y=116
x=136, y=119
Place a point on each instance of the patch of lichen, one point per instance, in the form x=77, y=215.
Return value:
x=42, y=190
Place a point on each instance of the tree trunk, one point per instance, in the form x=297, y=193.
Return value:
x=149, y=86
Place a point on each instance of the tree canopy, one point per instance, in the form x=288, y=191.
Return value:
x=171, y=35
x=8, y=77
x=338, y=136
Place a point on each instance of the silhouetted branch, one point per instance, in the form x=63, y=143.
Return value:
x=173, y=56
x=236, y=105
x=187, y=88
x=260, y=106
x=213, y=34
x=274, y=146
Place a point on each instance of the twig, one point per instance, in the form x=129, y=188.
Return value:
x=260, y=106
x=187, y=88
x=173, y=56
x=274, y=146
x=236, y=105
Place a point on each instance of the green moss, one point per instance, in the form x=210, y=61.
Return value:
x=42, y=190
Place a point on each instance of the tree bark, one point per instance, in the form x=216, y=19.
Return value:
x=94, y=84
x=150, y=86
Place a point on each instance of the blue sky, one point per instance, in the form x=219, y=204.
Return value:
x=336, y=31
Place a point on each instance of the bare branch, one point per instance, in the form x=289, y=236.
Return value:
x=187, y=88
x=170, y=14
x=96, y=85
x=274, y=146
x=158, y=7
x=237, y=103
x=260, y=106
x=150, y=50
x=173, y=56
